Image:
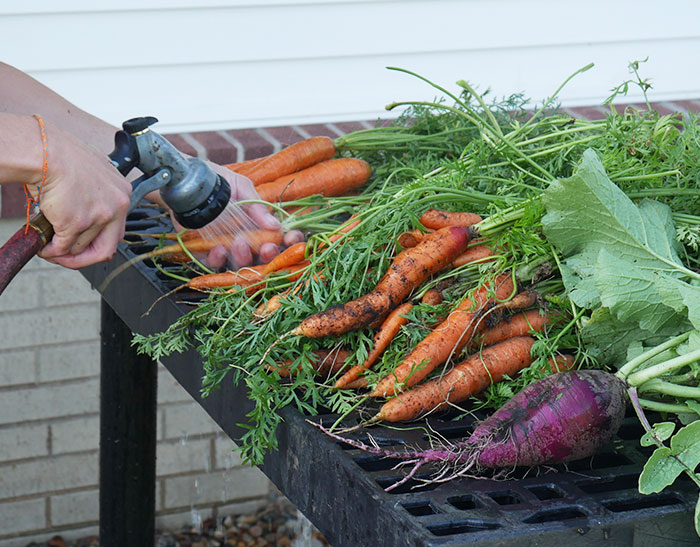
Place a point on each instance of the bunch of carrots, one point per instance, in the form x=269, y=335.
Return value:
x=494, y=325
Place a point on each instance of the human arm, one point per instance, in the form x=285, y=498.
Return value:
x=84, y=197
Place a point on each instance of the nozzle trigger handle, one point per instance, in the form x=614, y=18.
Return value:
x=125, y=155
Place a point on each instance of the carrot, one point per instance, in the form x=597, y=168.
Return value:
x=324, y=362
x=446, y=339
x=410, y=238
x=291, y=255
x=175, y=253
x=467, y=378
x=437, y=218
x=392, y=324
x=244, y=277
x=432, y=297
x=329, y=178
x=407, y=271
x=561, y=363
x=517, y=325
x=242, y=166
x=473, y=254
x=291, y=159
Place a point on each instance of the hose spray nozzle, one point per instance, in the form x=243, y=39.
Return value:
x=194, y=192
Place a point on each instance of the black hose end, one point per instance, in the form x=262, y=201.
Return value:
x=209, y=209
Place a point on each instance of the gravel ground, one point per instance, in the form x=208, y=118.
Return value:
x=276, y=524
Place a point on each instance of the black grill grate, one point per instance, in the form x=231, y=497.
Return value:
x=341, y=489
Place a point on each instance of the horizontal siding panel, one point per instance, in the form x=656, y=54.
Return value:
x=94, y=40
x=322, y=90
x=230, y=64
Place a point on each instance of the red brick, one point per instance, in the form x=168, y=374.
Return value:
x=181, y=144
x=284, y=135
x=319, y=130
x=349, y=127
x=219, y=150
x=13, y=201
x=688, y=106
x=253, y=143
x=587, y=112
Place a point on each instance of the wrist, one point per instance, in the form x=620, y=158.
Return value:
x=21, y=150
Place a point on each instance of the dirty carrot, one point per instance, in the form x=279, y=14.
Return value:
x=519, y=324
x=407, y=271
x=447, y=339
x=473, y=254
x=437, y=218
x=327, y=362
x=392, y=324
x=465, y=379
x=329, y=178
x=293, y=158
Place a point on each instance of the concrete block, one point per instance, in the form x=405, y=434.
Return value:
x=186, y=419
x=169, y=389
x=184, y=456
x=50, y=401
x=238, y=484
x=22, y=516
x=48, y=475
x=75, y=435
x=23, y=441
x=75, y=508
x=17, y=366
x=241, y=508
x=23, y=292
x=226, y=454
x=37, y=327
x=192, y=518
x=64, y=287
x=80, y=360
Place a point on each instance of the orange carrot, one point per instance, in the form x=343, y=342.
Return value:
x=174, y=252
x=518, y=325
x=291, y=255
x=328, y=178
x=243, y=277
x=465, y=379
x=291, y=159
x=392, y=324
x=561, y=363
x=432, y=297
x=436, y=218
x=324, y=362
x=242, y=166
x=445, y=340
x=473, y=254
x=407, y=271
x=410, y=238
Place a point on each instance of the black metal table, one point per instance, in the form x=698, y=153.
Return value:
x=341, y=490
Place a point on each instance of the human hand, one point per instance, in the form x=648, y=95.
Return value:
x=85, y=199
x=257, y=216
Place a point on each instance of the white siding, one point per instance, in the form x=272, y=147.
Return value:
x=230, y=64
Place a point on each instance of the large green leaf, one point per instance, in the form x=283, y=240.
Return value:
x=618, y=255
x=665, y=464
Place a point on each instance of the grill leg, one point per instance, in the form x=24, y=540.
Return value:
x=127, y=438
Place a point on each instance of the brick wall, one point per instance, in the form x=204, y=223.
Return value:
x=49, y=386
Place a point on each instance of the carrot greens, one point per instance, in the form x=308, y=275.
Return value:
x=600, y=217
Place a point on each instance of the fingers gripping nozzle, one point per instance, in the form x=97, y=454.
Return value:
x=194, y=192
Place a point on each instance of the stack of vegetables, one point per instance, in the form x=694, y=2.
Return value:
x=562, y=245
